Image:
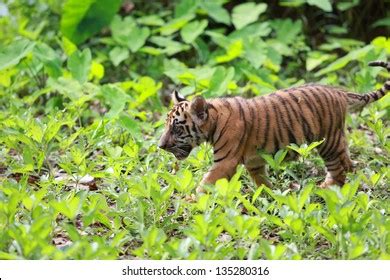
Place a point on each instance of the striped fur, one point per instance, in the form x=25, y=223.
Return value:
x=237, y=127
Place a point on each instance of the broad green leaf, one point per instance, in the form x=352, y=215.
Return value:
x=52, y=129
x=287, y=30
x=35, y=131
x=382, y=42
x=118, y=54
x=220, y=80
x=185, y=7
x=192, y=30
x=49, y=58
x=292, y=3
x=260, y=29
x=247, y=13
x=79, y=64
x=152, y=20
x=68, y=46
x=116, y=99
x=131, y=125
x=325, y=5
x=316, y=58
x=255, y=51
x=11, y=55
x=343, y=61
x=82, y=19
x=97, y=70
x=216, y=11
x=382, y=22
x=128, y=34
x=146, y=87
x=346, y=5
x=171, y=47
x=233, y=51
x=175, y=25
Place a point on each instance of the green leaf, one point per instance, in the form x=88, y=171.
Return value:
x=216, y=11
x=175, y=25
x=152, y=20
x=130, y=124
x=287, y=30
x=79, y=64
x=192, y=30
x=316, y=58
x=343, y=61
x=116, y=98
x=382, y=22
x=52, y=129
x=128, y=34
x=220, y=80
x=233, y=51
x=255, y=51
x=11, y=55
x=82, y=19
x=35, y=131
x=49, y=58
x=247, y=13
x=346, y=5
x=260, y=29
x=170, y=47
x=185, y=7
x=118, y=54
x=325, y=5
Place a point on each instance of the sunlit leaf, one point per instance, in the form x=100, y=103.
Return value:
x=247, y=13
x=11, y=55
x=82, y=19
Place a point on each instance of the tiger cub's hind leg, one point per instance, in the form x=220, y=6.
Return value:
x=257, y=170
x=337, y=161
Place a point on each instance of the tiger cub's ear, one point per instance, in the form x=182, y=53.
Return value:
x=199, y=110
x=176, y=97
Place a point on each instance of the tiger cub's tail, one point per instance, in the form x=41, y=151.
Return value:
x=358, y=101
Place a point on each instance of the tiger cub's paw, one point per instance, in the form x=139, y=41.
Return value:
x=200, y=190
x=190, y=198
x=328, y=183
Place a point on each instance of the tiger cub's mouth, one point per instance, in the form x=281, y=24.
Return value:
x=181, y=152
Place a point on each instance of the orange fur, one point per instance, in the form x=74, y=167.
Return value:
x=237, y=128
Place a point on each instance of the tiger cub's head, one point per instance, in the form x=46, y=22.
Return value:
x=184, y=126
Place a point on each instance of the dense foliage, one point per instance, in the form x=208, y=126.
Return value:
x=84, y=89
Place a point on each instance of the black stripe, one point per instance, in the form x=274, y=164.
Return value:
x=294, y=112
x=257, y=168
x=276, y=129
x=212, y=132
x=222, y=158
x=282, y=124
x=242, y=115
x=338, y=167
x=222, y=131
x=330, y=131
x=267, y=124
x=315, y=111
x=217, y=150
x=321, y=117
x=307, y=130
x=335, y=131
x=252, y=113
x=257, y=119
x=289, y=125
x=331, y=152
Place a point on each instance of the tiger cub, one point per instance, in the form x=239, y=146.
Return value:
x=237, y=127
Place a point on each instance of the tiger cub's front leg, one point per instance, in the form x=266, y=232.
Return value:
x=220, y=169
x=257, y=170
